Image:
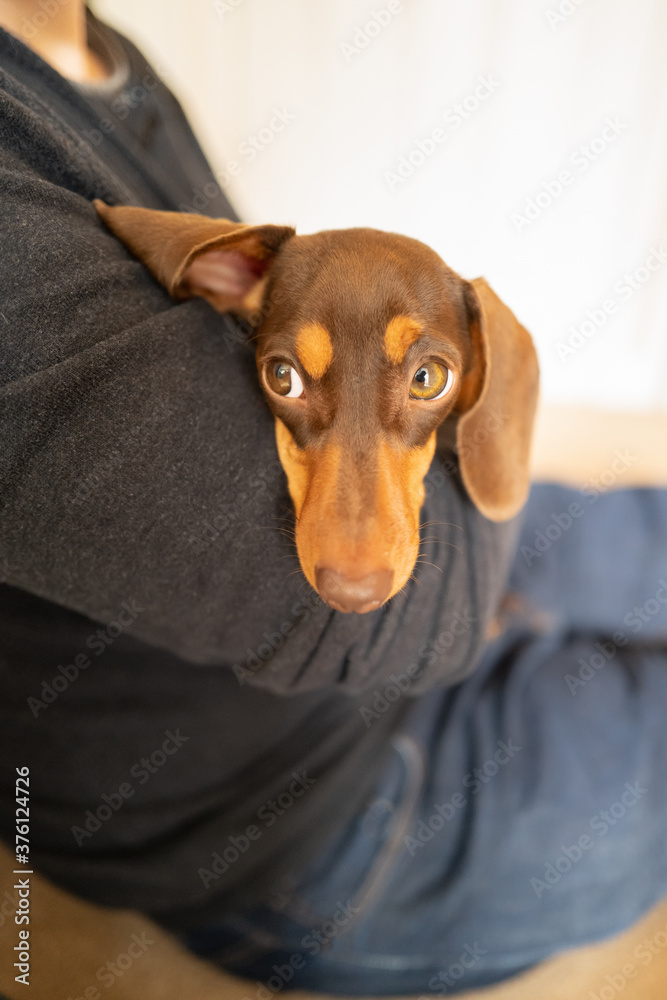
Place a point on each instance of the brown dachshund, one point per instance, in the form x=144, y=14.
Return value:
x=366, y=343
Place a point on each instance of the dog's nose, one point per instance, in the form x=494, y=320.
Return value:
x=345, y=593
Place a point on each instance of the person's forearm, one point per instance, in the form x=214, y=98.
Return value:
x=575, y=446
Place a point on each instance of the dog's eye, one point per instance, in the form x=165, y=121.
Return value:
x=431, y=381
x=284, y=379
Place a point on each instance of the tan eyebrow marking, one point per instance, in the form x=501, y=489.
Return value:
x=400, y=333
x=314, y=347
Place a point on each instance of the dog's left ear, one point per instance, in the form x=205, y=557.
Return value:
x=498, y=400
x=224, y=262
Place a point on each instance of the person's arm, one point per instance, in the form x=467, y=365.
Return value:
x=132, y=428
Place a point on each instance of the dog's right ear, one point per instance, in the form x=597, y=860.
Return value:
x=224, y=262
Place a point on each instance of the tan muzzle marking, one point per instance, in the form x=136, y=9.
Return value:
x=385, y=541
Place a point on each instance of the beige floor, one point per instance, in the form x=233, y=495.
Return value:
x=632, y=966
x=606, y=450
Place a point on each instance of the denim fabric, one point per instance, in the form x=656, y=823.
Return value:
x=525, y=809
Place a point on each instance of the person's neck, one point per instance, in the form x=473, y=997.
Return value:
x=56, y=31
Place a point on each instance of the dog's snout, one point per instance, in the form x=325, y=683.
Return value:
x=346, y=593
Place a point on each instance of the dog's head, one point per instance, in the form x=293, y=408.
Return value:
x=366, y=343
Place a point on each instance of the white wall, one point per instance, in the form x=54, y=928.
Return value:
x=556, y=80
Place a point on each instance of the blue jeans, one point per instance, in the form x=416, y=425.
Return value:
x=524, y=810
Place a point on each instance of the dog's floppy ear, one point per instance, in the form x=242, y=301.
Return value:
x=224, y=262
x=498, y=399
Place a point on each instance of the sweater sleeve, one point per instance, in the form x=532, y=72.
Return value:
x=131, y=425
